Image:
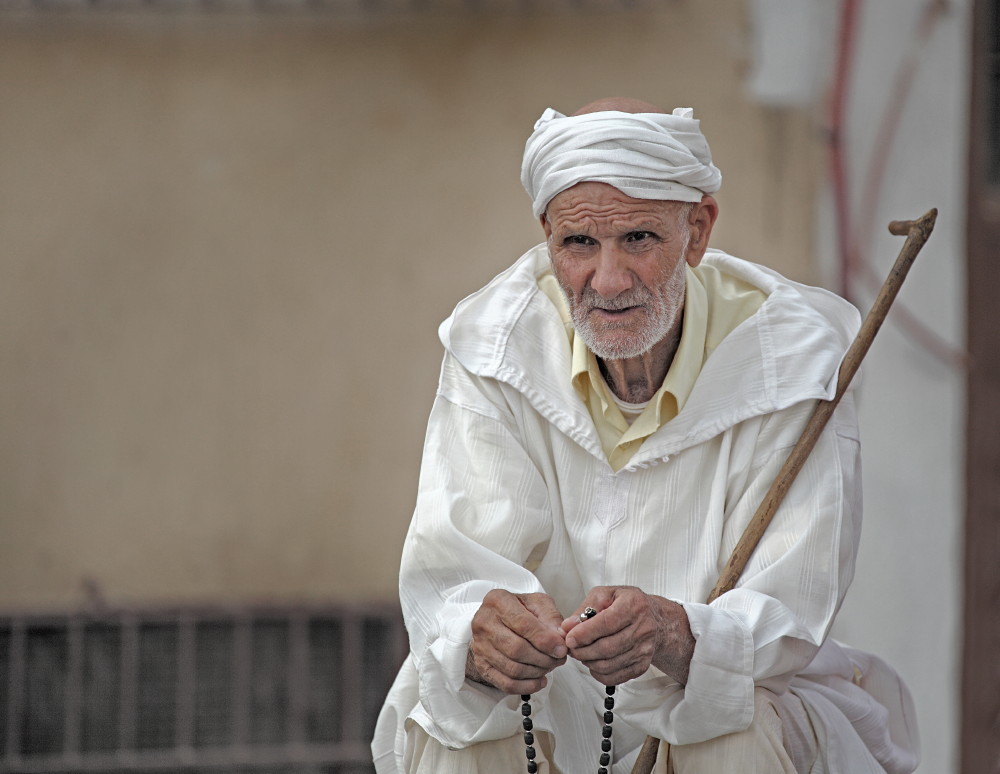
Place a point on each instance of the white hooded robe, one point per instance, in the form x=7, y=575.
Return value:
x=516, y=493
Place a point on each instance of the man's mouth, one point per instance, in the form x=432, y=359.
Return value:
x=616, y=312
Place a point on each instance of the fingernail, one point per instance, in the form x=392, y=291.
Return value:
x=559, y=652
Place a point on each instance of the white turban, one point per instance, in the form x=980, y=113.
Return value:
x=644, y=155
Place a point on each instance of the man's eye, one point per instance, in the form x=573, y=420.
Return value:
x=579, y=239
x=638, y=236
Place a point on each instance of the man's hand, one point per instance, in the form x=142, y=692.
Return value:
x=516, y=641
x=631, y=630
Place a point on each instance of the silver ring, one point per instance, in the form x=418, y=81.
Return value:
x=588, y=614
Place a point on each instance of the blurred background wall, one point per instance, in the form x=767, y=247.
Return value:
x=228, y=232
x=227, y=246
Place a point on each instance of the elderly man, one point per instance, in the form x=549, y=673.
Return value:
x=611, y=410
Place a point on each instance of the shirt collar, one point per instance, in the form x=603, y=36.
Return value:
x=670, y=398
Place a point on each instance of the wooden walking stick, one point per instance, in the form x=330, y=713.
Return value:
x=916, y=233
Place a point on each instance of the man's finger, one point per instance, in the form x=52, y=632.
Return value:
x=517, y=647
x=620, y=648
x=543, y=636
x=510, y=685
x=599, y=599
x=607, y=623
x=515, y=670
x=543, y=607
x=617, y=674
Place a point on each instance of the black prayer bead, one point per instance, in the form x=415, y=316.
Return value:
x=529, y=738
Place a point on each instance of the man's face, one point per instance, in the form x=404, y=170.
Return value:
x=620, y=262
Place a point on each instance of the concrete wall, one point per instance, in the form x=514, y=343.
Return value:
x=227, y=244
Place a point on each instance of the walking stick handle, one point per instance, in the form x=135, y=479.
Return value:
x=916, y=233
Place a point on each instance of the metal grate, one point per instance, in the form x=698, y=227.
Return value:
x=281, y=691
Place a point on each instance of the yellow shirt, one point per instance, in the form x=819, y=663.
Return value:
x=714, y=304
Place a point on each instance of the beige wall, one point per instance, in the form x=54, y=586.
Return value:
x=225, y=247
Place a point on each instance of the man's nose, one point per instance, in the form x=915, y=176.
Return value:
x=611, y=273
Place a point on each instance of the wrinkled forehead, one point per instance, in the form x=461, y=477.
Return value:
x=591, y=203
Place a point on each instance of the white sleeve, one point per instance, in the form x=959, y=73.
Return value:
x=769, y=628
x=482, y=511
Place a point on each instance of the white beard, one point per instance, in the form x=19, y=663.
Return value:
x=613, y=341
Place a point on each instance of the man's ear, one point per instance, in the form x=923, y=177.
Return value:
x=701, y=219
